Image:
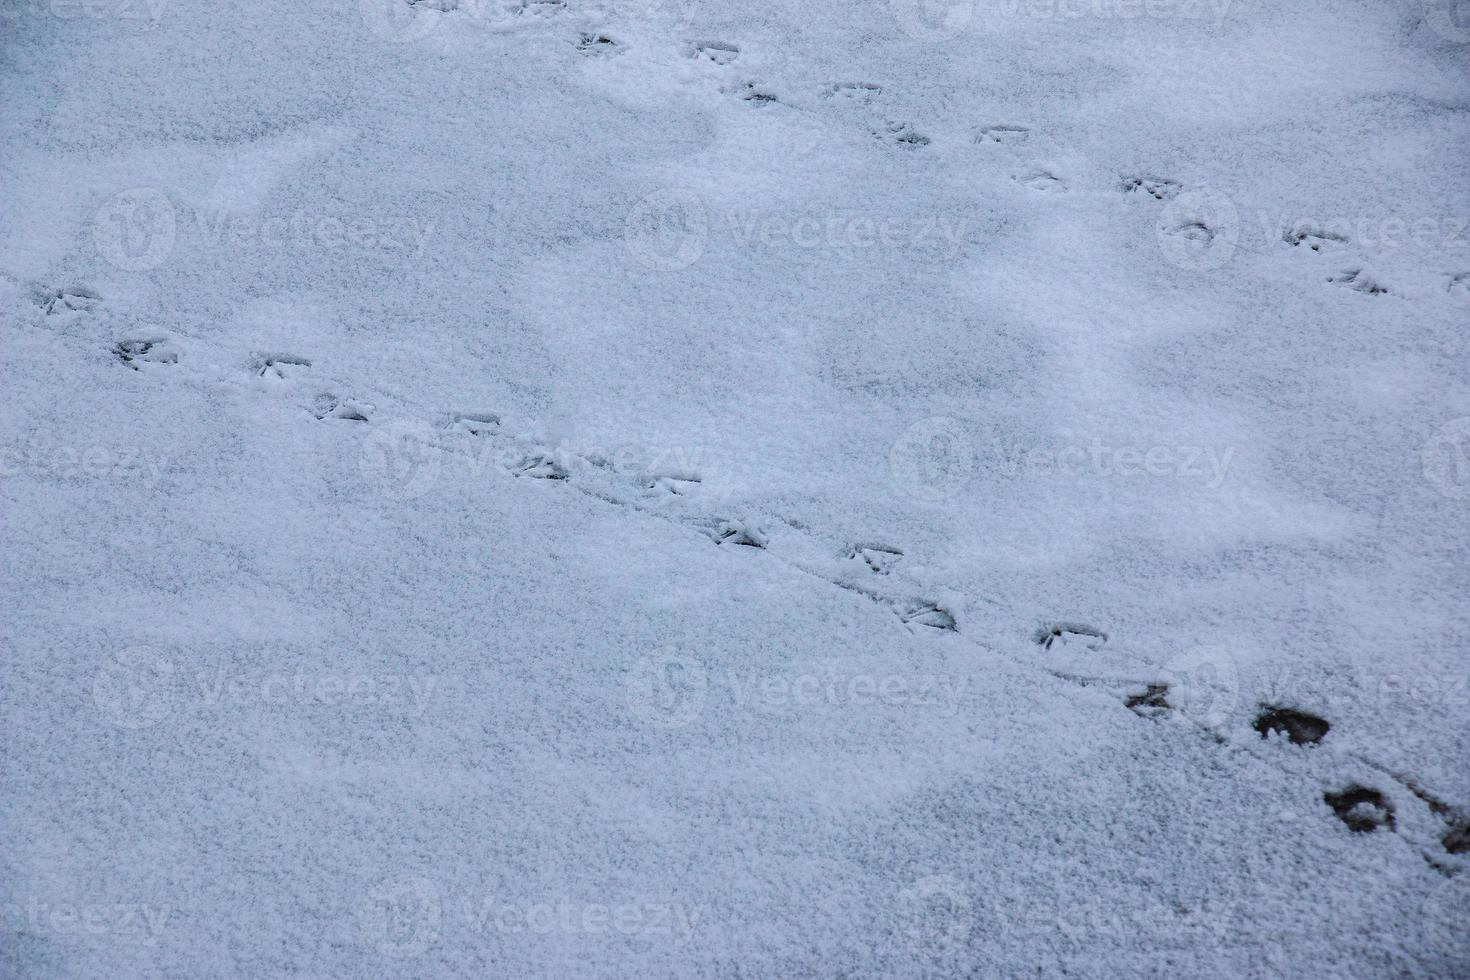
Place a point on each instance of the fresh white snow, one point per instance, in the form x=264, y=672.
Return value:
x=567, y=488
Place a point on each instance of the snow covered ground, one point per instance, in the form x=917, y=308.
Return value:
x=653, y=488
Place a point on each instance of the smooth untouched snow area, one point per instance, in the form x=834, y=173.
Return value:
x=559, y=488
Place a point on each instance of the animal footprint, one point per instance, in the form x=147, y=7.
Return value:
x=540, y=466
x=1043, y=181
x=1456, y=840
x=680, y=484
x=475, y=423
x=1003, y=134
x=752, y=93
x=741, y=533
x=1364, y=810
x=135, y=353
x=854, y=93
x=1070, y=634
x=903, y=134
x=329, y=406
x=597, y=45
x=1152, y=703
x=930, y=615
x=1315, y=239
x=1460, y=284
x=879, y=558
x=72, y=299
x=1298, y=726
x=537, y=8
x=279, y=367
x=1158, y=188
x=720, y=52
x=1359, y=281
x=1195, y=231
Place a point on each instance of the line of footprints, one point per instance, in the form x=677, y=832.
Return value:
x=866, y=568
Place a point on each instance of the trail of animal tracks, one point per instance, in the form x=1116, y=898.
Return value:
x=556, y=488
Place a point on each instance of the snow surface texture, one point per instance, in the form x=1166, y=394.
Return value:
x=558, y=488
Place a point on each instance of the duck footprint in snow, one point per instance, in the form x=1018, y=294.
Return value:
x=72, y=299
x=1062, y=635
x=903, y=134
x=135, y=353
x=1299, y=727
x=1358, y=281
x=853, y=93
x=879, y=558
x=1314, y=239
x=676, y=483
x=1460, y=284
x=1363, y=809
x=1151, y=702
x=540, y=466
x=719, y=52
x=475, y=423
x=740, y=533
x=1043, y=181
x=1008, y=135
x=930, y=615
x=329, y=406
x=278, y=367
x=1158, y=188
x=598, y=45
x=754, y=93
